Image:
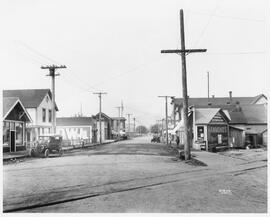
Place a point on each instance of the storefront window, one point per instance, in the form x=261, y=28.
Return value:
x=19, y=134
x=6, y=133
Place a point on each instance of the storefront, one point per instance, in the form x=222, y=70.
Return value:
x=15, y=118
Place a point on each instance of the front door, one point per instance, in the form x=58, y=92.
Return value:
x=12, y=141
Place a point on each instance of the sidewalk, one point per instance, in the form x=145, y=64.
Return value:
x=15, y=155
x=24, y=154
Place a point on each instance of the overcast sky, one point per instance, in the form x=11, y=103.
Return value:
x=114, y=46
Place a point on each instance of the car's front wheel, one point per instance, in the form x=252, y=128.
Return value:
x=46, y=153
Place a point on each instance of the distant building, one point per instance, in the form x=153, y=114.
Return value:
x=39, y=105
x=15, y=118
x=246, y=118
x=106, y=127
x=118, y=126
x=77, y=130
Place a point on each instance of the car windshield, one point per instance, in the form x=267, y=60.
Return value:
x=44, y=138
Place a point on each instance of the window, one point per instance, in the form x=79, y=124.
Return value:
x=19, y=134
x=50, y=115
x=44, y=115
x=6, y=133
x=200, y=132
x=219, y=139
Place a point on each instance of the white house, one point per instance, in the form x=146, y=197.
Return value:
x=39, y=105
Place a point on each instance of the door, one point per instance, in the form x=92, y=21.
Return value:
x=12, y=141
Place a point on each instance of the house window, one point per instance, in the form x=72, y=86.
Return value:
x=6, y=133
x=219, y=139
x=50, y=115
x=44, y=115
x=19, y=134
x=200, y=132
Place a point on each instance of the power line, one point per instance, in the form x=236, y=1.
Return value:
x=225, y=16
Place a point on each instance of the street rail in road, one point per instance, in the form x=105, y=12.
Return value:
x=74, y=194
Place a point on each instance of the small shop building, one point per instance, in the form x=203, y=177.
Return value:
x=15, y=118
x=76, y=130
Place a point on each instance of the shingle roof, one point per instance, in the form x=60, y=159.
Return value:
x=30, y=98
x=255, y=114
x=8, y=103
x=218, y=100
x=118, y=118
x=74, y=121
x=205, y=115
x=245, y=114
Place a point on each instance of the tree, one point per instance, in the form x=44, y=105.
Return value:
x=141, y=129
x=154, y=128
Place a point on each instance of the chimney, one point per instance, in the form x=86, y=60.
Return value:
x=213, y=96
x=230, y=93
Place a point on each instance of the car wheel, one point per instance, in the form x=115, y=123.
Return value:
x=32, y=153
x=60, y=152
x=46, y=153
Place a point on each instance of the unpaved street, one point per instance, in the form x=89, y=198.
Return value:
x=137, y=176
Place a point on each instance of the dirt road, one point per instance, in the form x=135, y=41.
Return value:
x=137, y=176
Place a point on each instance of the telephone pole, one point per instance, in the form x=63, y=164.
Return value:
x=134, y=125
x=99, y=118
x=118, y=121
x=53, y=75
x=166, y=116
x=129, y=122
x=122, y=108
x=183, y=53
x=208, y=86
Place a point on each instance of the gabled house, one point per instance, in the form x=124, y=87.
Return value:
x=118, y=126
x=76, y=130
x=15, y=118
x=106, y=128
x=39, y=105
x=247, y=118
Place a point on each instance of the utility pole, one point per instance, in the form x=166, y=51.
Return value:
x=122, y=108
x=134, y=125
x=118, y=121
x=99, y=118
x=52, y=74
x=129, y=122
x=183, y=53
x=208, y=87
x=166, y=117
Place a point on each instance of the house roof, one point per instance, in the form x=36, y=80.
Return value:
x=255, y=114
x=218, y=100
x=74, y=121
x=103, y=115
x=205, y=115
x=244, y=114
x=118, y=118
x=31, y=98
x=9, y=103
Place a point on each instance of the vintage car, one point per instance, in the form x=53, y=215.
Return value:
x=46, y=145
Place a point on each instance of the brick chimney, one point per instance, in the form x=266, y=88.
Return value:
x=213, y=96
x=230, y=94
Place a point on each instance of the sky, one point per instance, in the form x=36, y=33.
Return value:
x=114, y=46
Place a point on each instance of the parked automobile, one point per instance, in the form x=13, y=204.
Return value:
x=46, y=145
x=155, y=139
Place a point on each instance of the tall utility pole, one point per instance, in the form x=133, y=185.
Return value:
x=166, y=117
x=52, y=74
x=134, y=125
x=183, y=53
x=208, y=86
x=122, y=108
x=118, y=121
x=129, y=122
x=99, y=118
